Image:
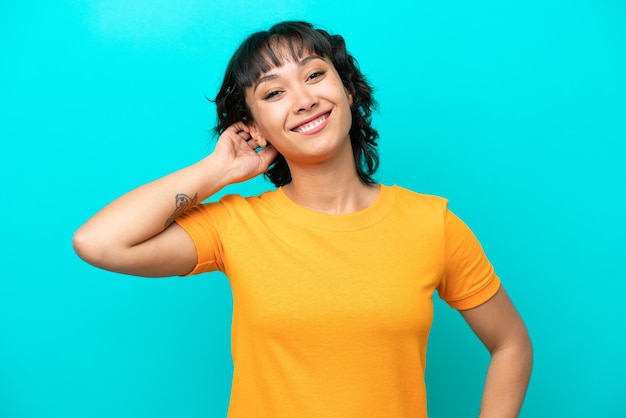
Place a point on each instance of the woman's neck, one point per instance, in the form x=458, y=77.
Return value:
x=337, y=190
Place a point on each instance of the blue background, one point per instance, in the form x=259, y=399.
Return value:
x=515, y=111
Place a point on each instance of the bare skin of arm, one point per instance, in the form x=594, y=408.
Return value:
x=499, y=326
x=136, y=234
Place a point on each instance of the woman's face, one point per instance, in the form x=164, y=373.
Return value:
x=303, y=109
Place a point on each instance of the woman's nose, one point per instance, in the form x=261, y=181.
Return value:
x=304, y=99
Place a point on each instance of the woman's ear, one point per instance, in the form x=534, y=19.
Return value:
x=256, y=135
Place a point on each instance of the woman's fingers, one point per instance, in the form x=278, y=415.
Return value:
x=237, y=132
x=252, y=143
x=237, y=127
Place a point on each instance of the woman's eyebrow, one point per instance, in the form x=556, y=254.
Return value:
x=264, y=79
x=309, y=58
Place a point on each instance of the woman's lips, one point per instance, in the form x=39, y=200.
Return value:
x=313, y=126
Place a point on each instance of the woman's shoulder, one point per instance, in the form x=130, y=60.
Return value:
x=239, y=200
x=412, y=197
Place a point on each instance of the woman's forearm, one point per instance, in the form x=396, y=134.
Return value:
x=146, y=211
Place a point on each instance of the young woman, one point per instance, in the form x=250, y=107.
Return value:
x=332, y=274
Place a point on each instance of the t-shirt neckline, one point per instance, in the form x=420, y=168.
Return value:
x=342, y=222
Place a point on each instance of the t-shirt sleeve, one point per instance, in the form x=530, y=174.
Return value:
x=201, y=223
x=469, y=279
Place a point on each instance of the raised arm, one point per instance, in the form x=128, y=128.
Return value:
x=499, y=326
x=136, y=234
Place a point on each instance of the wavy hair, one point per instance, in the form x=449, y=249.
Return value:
x=264, y=50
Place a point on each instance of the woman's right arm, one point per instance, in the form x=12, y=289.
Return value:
x=136, y=234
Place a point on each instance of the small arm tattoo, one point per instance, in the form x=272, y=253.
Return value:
x=183, y=202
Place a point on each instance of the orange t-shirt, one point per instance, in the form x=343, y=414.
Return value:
x=331, y=313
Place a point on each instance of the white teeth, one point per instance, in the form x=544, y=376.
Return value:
x=311, y=125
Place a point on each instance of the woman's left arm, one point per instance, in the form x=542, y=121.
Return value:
x=501, y=329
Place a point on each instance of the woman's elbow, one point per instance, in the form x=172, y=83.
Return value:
x=89, y=247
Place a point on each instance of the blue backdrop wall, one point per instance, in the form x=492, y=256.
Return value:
x=515, y=111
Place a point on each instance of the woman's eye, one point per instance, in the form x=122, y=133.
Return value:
x=270, y=95
x=316, y=74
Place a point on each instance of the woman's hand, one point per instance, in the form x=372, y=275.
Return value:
x=236, y=149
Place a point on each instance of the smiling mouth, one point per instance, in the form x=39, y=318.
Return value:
x=312, y=126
